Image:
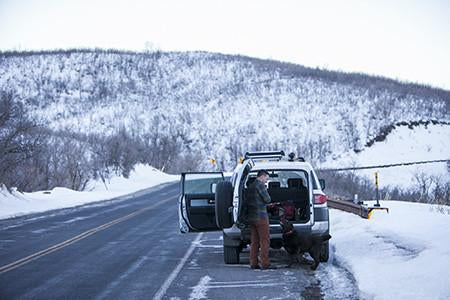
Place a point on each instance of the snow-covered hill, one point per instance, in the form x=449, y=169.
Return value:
x=212, y=105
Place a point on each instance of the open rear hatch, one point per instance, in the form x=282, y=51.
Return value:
x=294, y=200
x=289, y=189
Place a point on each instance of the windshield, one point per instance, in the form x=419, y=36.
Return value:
x=199, y=183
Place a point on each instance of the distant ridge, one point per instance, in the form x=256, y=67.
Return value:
x=286, y=69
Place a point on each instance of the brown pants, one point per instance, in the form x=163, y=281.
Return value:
x=260, y=239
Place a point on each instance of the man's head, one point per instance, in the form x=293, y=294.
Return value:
x=262, y=175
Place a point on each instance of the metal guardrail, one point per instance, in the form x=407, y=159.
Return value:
x=349, y=206
x=363, y=211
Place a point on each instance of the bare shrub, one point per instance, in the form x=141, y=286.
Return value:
x=429, y=189
x=346, y=184
x=19, y=140
x=433, y=190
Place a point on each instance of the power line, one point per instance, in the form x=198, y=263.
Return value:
x=385, y=166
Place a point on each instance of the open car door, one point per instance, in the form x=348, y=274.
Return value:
x=196, y=210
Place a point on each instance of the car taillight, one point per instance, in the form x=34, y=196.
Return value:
x=320, y=199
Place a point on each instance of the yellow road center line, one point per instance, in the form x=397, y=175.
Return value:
x=81, y=236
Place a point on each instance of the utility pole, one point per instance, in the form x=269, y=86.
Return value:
x=376, y=190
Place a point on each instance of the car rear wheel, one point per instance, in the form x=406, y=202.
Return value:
x=325, y=253
x=224, y=200
x=231, y=254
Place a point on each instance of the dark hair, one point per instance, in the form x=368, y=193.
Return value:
x=262, y=172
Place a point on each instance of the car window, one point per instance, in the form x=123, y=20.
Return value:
x=200, y=183
x=314, y=181
x=282, y=176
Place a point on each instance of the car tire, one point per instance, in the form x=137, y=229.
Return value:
x=325, y=253
x=224, y=200
x=231, y=255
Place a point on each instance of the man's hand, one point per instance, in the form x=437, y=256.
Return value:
x=273, y=207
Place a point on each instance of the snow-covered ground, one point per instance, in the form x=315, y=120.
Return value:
x=401, y=255
x=141, y=178
x=403, y=145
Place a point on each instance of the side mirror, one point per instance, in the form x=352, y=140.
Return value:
x=213, y=188
x=322, y=183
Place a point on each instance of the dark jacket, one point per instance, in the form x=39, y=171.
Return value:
x=257, y=202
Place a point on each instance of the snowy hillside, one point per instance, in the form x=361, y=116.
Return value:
x=212, y=105
x=402, y=145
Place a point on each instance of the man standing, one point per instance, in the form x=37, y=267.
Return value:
x=259, y=221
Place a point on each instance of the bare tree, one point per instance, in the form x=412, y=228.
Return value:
x=18, y=138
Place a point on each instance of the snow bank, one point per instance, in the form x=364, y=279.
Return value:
x=422, y=143
x=401, y=255
x=14, y=204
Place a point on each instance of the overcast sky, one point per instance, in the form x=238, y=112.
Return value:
x=407, y=40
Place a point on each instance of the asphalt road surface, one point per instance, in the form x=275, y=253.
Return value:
x=131, y=248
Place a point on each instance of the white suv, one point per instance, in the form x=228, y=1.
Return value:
x=208, y=202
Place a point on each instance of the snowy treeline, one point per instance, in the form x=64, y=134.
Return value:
x=177, y=110
x=33, y=157
x=428, y=189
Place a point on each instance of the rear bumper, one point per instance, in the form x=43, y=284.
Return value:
x=234, y=236
x=322, y=220
x=320, y=228
x=321, y=213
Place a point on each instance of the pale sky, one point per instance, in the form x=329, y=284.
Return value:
x=400, y=39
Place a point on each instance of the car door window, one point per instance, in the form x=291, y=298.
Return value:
x=198, y=184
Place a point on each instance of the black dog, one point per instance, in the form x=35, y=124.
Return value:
x=296, y=243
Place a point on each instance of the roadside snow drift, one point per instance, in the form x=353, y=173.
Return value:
x=15, y=204
x=401, y=255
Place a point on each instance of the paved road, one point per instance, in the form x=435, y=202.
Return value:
x=131, y=248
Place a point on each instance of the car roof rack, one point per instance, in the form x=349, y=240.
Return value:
x=293, y=158
x=265, y=155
